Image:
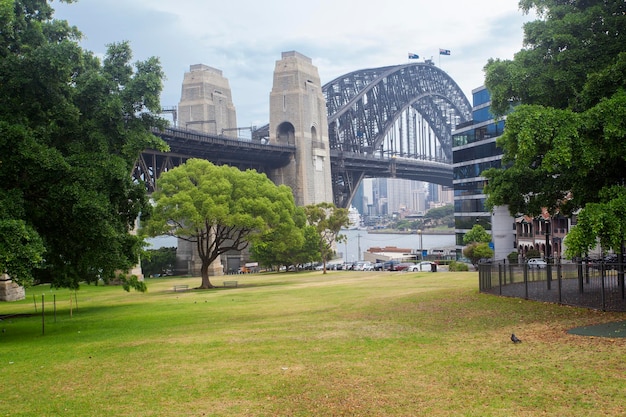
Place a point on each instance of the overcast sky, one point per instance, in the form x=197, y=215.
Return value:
x=245, y=38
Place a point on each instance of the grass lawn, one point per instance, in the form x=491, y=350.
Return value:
x=342, y=344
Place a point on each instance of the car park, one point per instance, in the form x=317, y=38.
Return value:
x=536, y=263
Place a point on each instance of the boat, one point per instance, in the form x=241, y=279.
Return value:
x=354, y=218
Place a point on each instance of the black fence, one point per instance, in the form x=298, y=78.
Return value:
x=585, y=284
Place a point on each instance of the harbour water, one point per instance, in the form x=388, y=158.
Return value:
x=364, y=240
x=361, y=239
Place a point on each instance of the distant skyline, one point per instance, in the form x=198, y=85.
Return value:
x=244, y=38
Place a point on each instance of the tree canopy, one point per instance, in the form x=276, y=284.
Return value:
x=565, y=99
x=219, y=209
x=288, y=246
x=477, y=234
x=71, y=128
x=328, y=220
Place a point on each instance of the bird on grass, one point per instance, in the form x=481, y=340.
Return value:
x=515, y=339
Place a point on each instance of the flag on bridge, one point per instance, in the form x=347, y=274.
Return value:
x=444, y=51
x=413, y=56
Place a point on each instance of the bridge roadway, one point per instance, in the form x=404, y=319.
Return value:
x=263, y=157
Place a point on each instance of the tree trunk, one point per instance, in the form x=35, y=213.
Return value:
x=204, y=271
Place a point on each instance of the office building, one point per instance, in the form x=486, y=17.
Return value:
x=474, y=150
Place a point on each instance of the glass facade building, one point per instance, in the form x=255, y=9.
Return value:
x=474, y=150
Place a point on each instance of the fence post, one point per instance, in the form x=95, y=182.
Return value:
x=526, y=281
x=549, y=274
x=559, y=281
x=579, y=267
x=500, y=278
x=602, y=275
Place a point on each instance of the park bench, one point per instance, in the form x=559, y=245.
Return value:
x=230, y=283
x=178, y=288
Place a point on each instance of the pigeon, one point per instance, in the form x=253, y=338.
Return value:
x=515, y=339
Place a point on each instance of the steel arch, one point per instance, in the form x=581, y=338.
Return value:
x=363, y=105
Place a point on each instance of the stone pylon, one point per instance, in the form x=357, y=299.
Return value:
x=206, y=102
x=206, y=105
x=298, y=116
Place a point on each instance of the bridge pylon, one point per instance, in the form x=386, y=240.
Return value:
x=298, y=117
x=206, y=105
x=206, y=102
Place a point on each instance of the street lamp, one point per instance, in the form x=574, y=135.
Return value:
x=419, y=232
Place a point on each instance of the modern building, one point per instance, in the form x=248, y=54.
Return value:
x=474, y=150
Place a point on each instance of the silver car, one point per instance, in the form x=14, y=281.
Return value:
x=536, y=263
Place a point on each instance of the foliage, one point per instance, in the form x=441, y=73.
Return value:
x=132, y=281
x=455, y=266
x=513, y=257
x=438, y=213
x=71, y=128
x=477, y=234
x=565, y=137
x=476, y=251
x=533, y=253
x=439, y=216
x=21, y=251
x=219, y=209
x=288, y=246
x=328, y=220
x=158, y=261
x=606, y=220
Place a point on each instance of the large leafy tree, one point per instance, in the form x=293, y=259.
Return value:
x=71, y=127
x=328, y=220
x=565, y=96
x=218, y=208
x=288, y=245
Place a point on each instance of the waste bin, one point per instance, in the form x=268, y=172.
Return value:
x=433, y=267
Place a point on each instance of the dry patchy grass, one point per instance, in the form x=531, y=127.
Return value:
x=309, y=344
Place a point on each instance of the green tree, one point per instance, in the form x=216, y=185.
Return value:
x=21, y=251
x=476, y=251
x=288, y=245
x=439, y=213
x=565, y=94
x=477, y=244
x=477, y=234
x=328, y=221
x=71, y=128
x=218, y=208
x=158, y=261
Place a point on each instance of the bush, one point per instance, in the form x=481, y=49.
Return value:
x=458, y=266
x=513, y=257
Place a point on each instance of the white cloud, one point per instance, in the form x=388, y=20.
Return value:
x=245, y=38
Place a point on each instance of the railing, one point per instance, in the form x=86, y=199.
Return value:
x=585, y=284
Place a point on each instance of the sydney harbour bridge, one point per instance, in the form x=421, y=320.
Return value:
x=393, y=121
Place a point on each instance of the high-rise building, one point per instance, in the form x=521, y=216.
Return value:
x=474, y=150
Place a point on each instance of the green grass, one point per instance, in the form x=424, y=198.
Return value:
x=307, y=344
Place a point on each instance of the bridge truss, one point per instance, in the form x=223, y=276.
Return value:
x=403, y=114
x=391, y=121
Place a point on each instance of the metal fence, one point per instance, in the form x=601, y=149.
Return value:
x=593, y=285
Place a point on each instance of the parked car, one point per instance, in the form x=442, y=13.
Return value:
x=394, y=265
x=402, y=266
x=536, y=263
x=422, y=266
